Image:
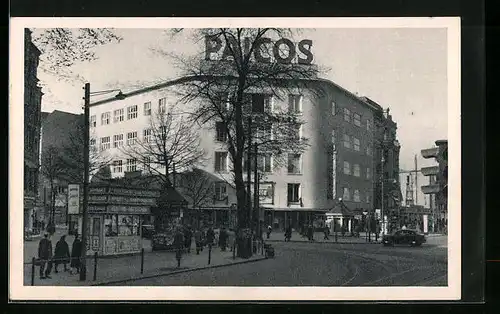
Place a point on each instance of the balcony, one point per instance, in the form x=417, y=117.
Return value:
x=430, y=152
x=429, y=171
x=430, y=189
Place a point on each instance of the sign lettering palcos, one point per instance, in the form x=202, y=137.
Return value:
x=73, y=199
x=265, y=50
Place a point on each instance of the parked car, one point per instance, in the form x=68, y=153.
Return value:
x=407, y=237
x=148, y=231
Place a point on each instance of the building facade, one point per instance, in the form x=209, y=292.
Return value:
x=32, y=116
x=339, y=163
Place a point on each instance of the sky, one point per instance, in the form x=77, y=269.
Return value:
x=404, y=69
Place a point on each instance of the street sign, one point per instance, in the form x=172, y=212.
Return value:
x=73, y=199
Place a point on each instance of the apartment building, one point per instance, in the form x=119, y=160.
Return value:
x=339, y=161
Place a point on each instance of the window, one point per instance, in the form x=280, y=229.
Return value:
x=293, y=192
x=357, y=196
x=334, y=108
x=294, y=104
x=93, y=122
x=294, y=164
x=146, y=163
x=346, y=195
x=117, y=140
x=117, y=166
x=220, y=191
x=356, y=144
x=357, y=119
x=162, y=105
x=357, y=170
x=128, y=225
x=264, y=163
x=347, y=167
x=265, y=133
x=347, y=141
x=297, y=132
x=147, y=108
x=131, y=164
x=146, y=135
x=105, y=143
x=221, y=161
x=131, y=138
x=369, y=151
x=368, y=173
x=220, y=132
x=118, y=115
x=347, y=115
x=132, y=112
x=111, y=225
x=105, y=117
x=261, y=103
x=368, y=125
x=92, y=144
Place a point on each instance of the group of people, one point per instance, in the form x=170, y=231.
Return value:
x=60, y=255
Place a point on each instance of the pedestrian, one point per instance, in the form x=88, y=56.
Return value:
x=223, y=239
x=51, y=229
x=61, y=254
x=326, y=231
x=179, y=245
x=310, y=233
x=231, y=236
x=288, y=233
x=269, y=230
x=45, y=256
x=188, y=235
x=210, y=237
x=76, y=252
x=198, y=237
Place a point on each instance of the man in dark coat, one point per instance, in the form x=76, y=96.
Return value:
x=61, y=254
x=310, y=233
x=223, y=239
x=76, y=251
x=179, y=245
x=198, y=238
x=210, y=237
x=188, y=236
x=45, y=256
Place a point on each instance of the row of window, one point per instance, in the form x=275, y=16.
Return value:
x=265, y=133
x=352, y=117
x=131, y=139
x=356, y=196
x=132, y=113
x=356, y=170
x=264, y=163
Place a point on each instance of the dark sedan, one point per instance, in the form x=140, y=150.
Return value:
x=405, y=237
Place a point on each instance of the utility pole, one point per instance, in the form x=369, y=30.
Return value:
x=256, y=193
x=86, y=140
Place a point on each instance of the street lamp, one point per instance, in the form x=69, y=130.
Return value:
x=86, y=166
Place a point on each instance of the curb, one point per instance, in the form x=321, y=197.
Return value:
x=179, y=272
x=323, y=242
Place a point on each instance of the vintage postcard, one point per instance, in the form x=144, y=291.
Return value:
x=235, y=159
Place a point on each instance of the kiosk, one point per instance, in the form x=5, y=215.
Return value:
x=116, y=214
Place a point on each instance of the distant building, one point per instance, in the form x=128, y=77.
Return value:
x=32, y=116
x=59, y=131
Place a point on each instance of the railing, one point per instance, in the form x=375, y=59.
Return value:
x=140, y=263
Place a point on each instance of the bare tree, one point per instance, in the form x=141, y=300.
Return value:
x=226, y=91
x=51, y=170
x=197, y=186
x=70, y=157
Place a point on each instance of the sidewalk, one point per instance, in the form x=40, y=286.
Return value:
x=319, y=238
x=113, y=269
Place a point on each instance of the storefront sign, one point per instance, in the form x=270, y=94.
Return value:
x=131, y=200
x=98, y=198
x=97, y=190
x=97, y=208
x=128, y=209
x=122, y=191
x=265, y=50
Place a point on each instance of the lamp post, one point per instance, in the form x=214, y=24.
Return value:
x=86, y=167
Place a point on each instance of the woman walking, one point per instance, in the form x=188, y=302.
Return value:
x=76, y=251
x=61, y=254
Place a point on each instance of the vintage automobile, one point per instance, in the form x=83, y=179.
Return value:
x=405, y=237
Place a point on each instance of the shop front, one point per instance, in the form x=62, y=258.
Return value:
x=115, y=217
x=280, y=219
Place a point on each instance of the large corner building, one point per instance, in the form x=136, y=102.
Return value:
x=347, y=136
